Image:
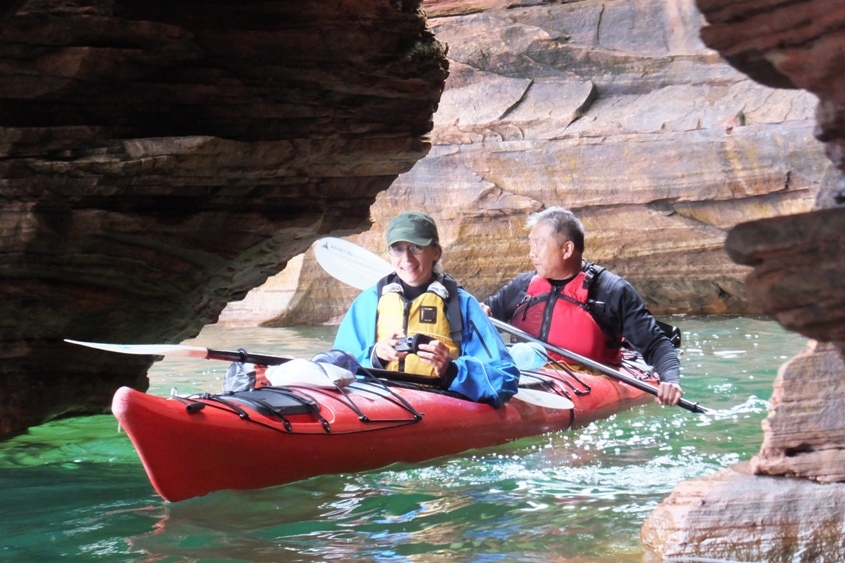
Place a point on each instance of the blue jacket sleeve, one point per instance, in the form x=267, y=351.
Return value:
x=357, y=331
x=486, y=372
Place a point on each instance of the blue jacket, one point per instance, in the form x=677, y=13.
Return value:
x=485, y=370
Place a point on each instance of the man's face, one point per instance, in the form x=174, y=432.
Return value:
x=547, y=253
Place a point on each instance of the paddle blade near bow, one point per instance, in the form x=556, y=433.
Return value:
x=181, y=351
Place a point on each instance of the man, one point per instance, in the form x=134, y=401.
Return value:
x=463, y=351
x=582, y=307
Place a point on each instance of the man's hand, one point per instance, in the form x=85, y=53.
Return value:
x=669, y=393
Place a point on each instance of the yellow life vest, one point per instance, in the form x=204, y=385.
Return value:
x=427, y=315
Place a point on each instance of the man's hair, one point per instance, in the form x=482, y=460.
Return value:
x=565, y=225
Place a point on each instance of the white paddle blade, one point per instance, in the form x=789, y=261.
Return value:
x=349, y=263
x=170, y=350
x=543, y=399
x=306, y=372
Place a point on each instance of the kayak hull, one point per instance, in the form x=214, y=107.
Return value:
x=193, y=446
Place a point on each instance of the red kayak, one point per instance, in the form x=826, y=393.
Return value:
x=192, y=446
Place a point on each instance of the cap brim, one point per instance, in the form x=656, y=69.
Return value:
x=406, y=236
x=417, y=241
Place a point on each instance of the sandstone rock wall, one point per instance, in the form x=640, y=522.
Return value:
x=735, y=515
x=785, y=505
x=612, y=108
x=772, y=508
x=805, y=432
x=158, y=160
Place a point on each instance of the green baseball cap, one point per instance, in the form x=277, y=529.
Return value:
x=412, y=226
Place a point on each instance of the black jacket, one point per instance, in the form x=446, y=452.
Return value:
x=619, y=311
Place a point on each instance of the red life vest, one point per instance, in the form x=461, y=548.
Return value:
x=559, y=316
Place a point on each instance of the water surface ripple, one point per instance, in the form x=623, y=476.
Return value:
x=76, y=489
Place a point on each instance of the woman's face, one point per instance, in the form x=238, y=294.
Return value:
x=414, y=264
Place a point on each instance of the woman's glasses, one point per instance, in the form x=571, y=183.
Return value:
x=400, y=249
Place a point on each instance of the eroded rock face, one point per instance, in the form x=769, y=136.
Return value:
x=619, y=112
x=158, y=160
x=776, y=509
x=616, y=110
x=798, y=271
x=798, y=44
x=804, y=434
x=734, y=515
x=797, y=279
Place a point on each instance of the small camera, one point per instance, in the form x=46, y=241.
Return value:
x=411, y=344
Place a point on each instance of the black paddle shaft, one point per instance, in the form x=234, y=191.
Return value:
x=246, y=357
x=619, y=376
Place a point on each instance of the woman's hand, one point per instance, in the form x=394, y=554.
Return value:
x=437, y=354
x=386, y=349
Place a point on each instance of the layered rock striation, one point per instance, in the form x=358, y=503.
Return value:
x=786, y=503
x=619, y=112
x=159, y=160
x=616, y=110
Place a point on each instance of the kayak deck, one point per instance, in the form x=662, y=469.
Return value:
x=191, y=446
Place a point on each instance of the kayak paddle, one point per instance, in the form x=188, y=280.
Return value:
x=294, y=370
x=587, y=362
x=350, y=263
x=180, y=351
x=321, y=378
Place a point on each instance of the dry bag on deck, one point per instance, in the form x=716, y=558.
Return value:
x=239, y=377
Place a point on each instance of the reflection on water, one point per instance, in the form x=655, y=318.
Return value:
x=579, y=495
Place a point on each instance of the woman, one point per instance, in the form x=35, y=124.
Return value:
x=465, y=354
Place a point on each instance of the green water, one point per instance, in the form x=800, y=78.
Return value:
x=75, y=489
